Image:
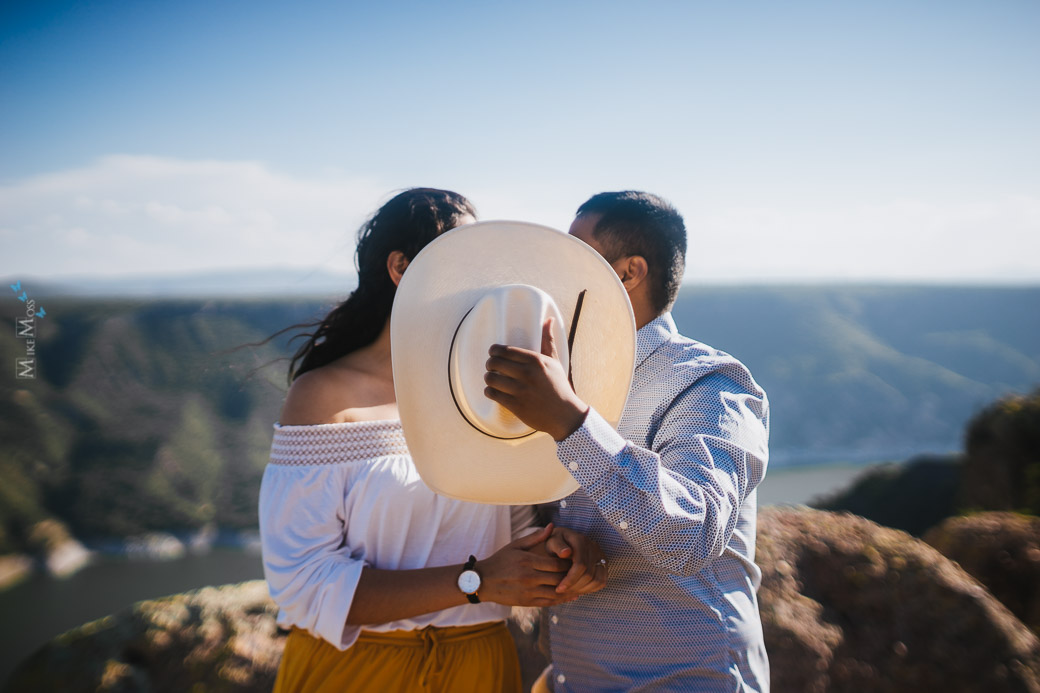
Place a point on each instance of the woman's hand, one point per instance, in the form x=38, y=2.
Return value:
x=517, y=576
x=588, y=571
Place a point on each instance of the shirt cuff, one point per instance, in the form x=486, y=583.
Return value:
x=592, y=450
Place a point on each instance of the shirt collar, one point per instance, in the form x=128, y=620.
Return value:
x=652, y=335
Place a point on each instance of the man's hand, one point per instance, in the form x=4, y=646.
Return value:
x=588, y=571
x=534, y=387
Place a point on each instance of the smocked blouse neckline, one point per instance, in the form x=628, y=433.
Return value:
x=335, y=443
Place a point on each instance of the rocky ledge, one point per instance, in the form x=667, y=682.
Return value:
x=1002, y=551
x=847, y=605
x=214, y=639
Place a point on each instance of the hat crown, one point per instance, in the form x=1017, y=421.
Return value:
x=512, y=315
x=443, y=283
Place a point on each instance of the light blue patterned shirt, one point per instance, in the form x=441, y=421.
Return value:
x=670, y=498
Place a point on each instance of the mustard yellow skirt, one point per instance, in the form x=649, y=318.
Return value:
x=467, y=658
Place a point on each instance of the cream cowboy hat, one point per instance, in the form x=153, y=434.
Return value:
x=496, y=282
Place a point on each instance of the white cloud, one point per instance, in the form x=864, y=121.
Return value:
x=139, y=214
x=78, y=237
x=994, y=239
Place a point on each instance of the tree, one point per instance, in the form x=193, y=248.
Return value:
x=1002, y=468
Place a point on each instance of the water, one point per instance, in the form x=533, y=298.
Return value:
x=801, y=485
x=35, y=611
x=42, y=607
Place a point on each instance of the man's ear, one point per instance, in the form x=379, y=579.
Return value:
x=396, y=264
x=632, y=270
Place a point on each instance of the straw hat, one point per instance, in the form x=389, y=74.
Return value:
x=496, y=282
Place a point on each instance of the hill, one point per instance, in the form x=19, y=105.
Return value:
x=144, y=416
x=140, y=417
x=860, y=373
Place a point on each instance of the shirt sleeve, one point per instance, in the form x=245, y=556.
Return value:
x=678, y=503
x=311, y=574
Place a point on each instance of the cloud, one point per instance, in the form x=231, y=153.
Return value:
x=983, y=240
x=932, y=237
x=140, y=214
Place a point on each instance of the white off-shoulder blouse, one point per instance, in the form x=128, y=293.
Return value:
x=338, y=497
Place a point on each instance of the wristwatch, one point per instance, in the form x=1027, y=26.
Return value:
x=469, y=580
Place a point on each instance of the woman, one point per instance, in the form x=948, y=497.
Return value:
x=363, y=559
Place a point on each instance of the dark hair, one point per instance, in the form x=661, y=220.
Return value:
x=638, y=223
x=407, y=222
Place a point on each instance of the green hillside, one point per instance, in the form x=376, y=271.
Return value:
x=145, y=416
x=872, y=373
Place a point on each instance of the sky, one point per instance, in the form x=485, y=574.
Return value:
x=802, y=141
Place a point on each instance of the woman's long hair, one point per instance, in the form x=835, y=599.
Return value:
x=407, y=223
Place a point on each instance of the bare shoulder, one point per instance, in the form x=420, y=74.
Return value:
x=311, y=400
x=337, y=394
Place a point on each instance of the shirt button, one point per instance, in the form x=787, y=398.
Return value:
x=561, y=678
x=563, y=504
x=555, y=619
x=573, y=466
x=623, y=525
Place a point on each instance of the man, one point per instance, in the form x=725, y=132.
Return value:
x=669, y=497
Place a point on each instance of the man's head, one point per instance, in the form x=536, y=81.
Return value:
x=630, y=224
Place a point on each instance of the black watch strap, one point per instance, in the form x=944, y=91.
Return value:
x=470, y=565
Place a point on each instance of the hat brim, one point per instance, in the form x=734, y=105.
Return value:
x=440, y=286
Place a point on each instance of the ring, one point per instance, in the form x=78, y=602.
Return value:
x=602, y=561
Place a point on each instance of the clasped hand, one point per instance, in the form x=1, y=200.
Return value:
x=551, y=566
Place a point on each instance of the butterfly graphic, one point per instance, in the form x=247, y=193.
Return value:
x=40, y=313
x=23, y=297
x=17, y=286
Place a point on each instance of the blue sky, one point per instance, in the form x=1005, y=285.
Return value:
x=803, y=141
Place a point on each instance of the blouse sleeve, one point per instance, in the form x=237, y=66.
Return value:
x=311, y=573
x=523, y=520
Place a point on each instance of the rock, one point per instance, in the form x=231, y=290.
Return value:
x=67, y=558
x=60, y=553
x=13, y=569
x=1002, y=551
x=214, y=639
x=155, y=546
x=848, y=605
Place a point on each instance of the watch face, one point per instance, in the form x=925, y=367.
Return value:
x=469, y=581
